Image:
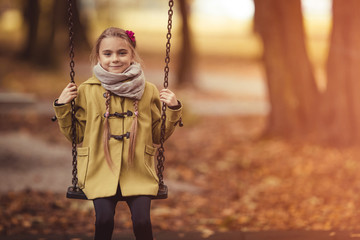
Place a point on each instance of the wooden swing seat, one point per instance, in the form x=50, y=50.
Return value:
x=77, y=193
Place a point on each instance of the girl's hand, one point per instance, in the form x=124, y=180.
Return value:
x=68, y=94
x=168, y=97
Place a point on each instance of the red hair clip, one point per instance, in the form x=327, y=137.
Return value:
x=131, y=35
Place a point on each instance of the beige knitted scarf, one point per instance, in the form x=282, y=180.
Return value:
x=130, y=83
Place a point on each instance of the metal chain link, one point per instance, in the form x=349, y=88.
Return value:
x=161, y=150
x=72, y=76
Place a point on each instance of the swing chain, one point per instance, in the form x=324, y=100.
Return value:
x=161, y=150
x=72, y=75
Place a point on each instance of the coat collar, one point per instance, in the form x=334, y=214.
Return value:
x=93, y=80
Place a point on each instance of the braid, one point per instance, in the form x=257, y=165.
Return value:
x=133, y=131
x=107, y=130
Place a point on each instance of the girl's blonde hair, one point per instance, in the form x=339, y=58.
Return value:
x=114, y=32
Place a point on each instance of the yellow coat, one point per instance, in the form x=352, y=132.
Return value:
x=95, y=177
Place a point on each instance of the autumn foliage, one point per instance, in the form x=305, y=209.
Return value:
x=221, y=177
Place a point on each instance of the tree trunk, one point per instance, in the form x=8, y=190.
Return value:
x=31, y=15
x=80, y=29
x=40, y=45
x=292, y=90
x=342, y=102
x=45, y=53
x=186, y=65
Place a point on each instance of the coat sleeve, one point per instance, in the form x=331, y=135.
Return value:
x=63, y=114
x=172, y=116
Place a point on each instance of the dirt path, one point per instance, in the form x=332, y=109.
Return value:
x=30, y=162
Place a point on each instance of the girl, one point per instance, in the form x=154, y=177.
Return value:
x=118, y=120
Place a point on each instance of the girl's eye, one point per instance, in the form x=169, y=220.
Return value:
x=107, y=54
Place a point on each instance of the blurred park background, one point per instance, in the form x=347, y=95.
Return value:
x=271, y=114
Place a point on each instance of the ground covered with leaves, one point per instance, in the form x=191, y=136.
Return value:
x=232, y=180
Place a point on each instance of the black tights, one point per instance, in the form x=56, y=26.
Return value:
x=140, y=216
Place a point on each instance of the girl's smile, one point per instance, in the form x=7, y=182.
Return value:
x=115, y=55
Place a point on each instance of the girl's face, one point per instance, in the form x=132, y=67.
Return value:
x=115, y=55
